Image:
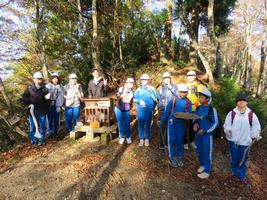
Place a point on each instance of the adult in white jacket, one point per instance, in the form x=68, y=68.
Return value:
x=241, y=127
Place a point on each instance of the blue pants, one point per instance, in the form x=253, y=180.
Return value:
x=53, y=120
x=204, y=150
x=176, y=132
x=71, y=117
x=239, y=155
x=41, y=121
x=123, y=119
x=144, y=119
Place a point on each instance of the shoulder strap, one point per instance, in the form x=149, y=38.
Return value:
x=187, y=104
x=173, y=104
x=250, y=118
x=233, y=113
x=210, y=112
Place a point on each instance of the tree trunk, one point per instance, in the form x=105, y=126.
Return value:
x=81, y=21
x=3, y=91
x=248, y=71
x=95, y=41
x=193, y=58
x=168, y=30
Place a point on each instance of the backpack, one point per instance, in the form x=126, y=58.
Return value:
x=186, y=105
x=250, y=117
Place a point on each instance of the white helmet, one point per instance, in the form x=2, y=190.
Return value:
x=130, y=80
x=54, y=74
x=191, y=73
x=73, y=76
x=38, y=75
x=206, y=93
x=182, y=88
x=166, y=75
x=144, y=77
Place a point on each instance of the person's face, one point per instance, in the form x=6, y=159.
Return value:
x=95, y=74
x=182, y=94
x=167, y=81
x=54, y=80
x=203, y=99
x=72, y=81
x=242, y=104
x=144, y=82
x=38, y=81
x=191, y=79
x=129, y=85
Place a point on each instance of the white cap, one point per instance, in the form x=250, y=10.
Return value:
x=54, y=74
x=144, y=77
x=130, y=80
x=166, y=75
x=182, y=88
x=191, y=73
x=206, y=92
x=73, y=76
x=37, y=75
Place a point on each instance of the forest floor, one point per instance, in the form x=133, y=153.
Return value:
x=81, y=170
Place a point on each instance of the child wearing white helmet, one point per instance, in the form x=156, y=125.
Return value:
x=204, y=128
x=73, y=95
x=193, y=89
x=145, y=98
x=166, y=92
x=56, y=102
x=176, y=126
x=36, y=96
x=122, y=110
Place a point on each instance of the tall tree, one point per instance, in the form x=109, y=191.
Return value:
x=95, y=41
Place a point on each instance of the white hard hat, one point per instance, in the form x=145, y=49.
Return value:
x=37, y=75
x=191, y=73
x=54, y=74
x=144, y=77
x=166, y=75
x=73, y=76
x=130, y=80
x=182, y=88
x=206, y=93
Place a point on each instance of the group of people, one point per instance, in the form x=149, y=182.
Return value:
x=241, y=125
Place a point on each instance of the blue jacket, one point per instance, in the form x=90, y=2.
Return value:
x=166, y=93
x=207, y=123
x=179, y=106
x=148, y=95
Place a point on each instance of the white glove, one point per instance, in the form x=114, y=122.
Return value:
x=142, y=103
x=58, y=109
x=258, y=138
x=48, y=96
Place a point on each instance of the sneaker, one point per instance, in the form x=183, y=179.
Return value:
x=141, y=143
x=173, y=163
x=146, y=142
x=179, y=161
x=186, y=146
x=128, y=140
x=203, y=175
x=200, y=169
x=193, y=145
x=121, y=141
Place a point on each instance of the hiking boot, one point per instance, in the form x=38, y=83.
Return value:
x=121, y=141
x=186, y=146
x=203, y=175
x=245, y=182
x=200, y=169
x=146, y=142
x=141, y=143
x=173, y=163
x=193, y=145
x=179, y=161
x=128, y=140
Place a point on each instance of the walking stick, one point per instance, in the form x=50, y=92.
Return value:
x=37, y=133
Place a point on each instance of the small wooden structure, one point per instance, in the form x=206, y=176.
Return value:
x=99, y=120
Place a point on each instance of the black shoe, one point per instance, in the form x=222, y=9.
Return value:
x=173, y=163
x=179, y=162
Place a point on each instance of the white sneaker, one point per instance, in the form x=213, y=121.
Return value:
x=121, y=141
x=200, y=169
x=203, y=175
x=186, y=146
x=146, y=142
x=128, y=140
x=193, y=145
x=141, y=143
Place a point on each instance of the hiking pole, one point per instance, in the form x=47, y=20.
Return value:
x=163, y=141
x=37, y=133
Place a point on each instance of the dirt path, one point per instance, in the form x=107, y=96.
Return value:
x=82, y=170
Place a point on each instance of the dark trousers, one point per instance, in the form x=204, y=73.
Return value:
x=189, y=136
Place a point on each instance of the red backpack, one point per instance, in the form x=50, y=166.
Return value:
x=250, y=117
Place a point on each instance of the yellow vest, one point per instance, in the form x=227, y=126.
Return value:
x=193, y=90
